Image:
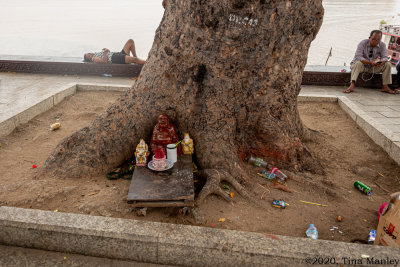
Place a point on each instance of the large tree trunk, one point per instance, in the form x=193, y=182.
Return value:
x=226, y=71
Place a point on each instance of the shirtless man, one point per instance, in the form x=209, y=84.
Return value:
x=123, y=57
x=371, y=56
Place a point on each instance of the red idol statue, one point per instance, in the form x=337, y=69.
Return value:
x=164, y=133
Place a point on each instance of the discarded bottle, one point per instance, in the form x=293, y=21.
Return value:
x=107, y=75
x=275, y=176
x=371, y=237
x=258, y=162
x=279, y=204
x=312, y=232
x=55, y=126
x=141, y=212
x=363, y=188
x=266, y=175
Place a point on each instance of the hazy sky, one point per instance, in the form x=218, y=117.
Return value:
x=72, y=27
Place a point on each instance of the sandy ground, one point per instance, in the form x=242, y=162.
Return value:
x=346, y=152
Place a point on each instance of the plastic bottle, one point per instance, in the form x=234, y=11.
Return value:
x=258, y=162
x=275, y=176
x=371, y=237
x=267, y=175
x=312, y=232
x=107, y=75
x=55, y=126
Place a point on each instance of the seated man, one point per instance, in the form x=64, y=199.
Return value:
x=371, y=57
x=123, y=57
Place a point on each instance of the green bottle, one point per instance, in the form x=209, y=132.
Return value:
x=258, y=162
x=363, y=188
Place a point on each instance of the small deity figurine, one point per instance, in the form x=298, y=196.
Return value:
x=142, y=152
x=187, y=145
x=164, y=133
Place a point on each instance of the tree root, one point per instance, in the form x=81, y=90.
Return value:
x=212, y=185
x=215, y=178
x=309, y=134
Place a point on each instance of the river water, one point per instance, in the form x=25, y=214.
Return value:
x=68, y=28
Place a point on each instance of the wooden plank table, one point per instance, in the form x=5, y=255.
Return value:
x=171, y=188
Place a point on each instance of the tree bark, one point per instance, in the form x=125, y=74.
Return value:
x=228, y=72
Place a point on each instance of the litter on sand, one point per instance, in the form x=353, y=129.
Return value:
x=317, y=204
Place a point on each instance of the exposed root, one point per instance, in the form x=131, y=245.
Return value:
x=215, y=177
x=309, y=134
x=212, y=185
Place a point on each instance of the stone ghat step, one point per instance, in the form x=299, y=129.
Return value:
x=70, y=68
x=343, y=79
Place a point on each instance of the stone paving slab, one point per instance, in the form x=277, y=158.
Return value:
x=394, y=128
x=395, y=137
x=377, y=108
x=390, y=114
x=374, y=114
x=386, y=120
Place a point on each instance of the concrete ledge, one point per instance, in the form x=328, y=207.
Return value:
x=33, y=111
x=395, y=151
x=317, y=98
x=17, y=256
x=6, y=127
x=101, y=87
x=349, y=107
x=69, y=89
x=164, y=243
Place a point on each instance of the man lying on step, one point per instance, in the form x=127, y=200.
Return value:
x=123, y=57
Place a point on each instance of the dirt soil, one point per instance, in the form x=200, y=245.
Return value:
x=345, y=151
